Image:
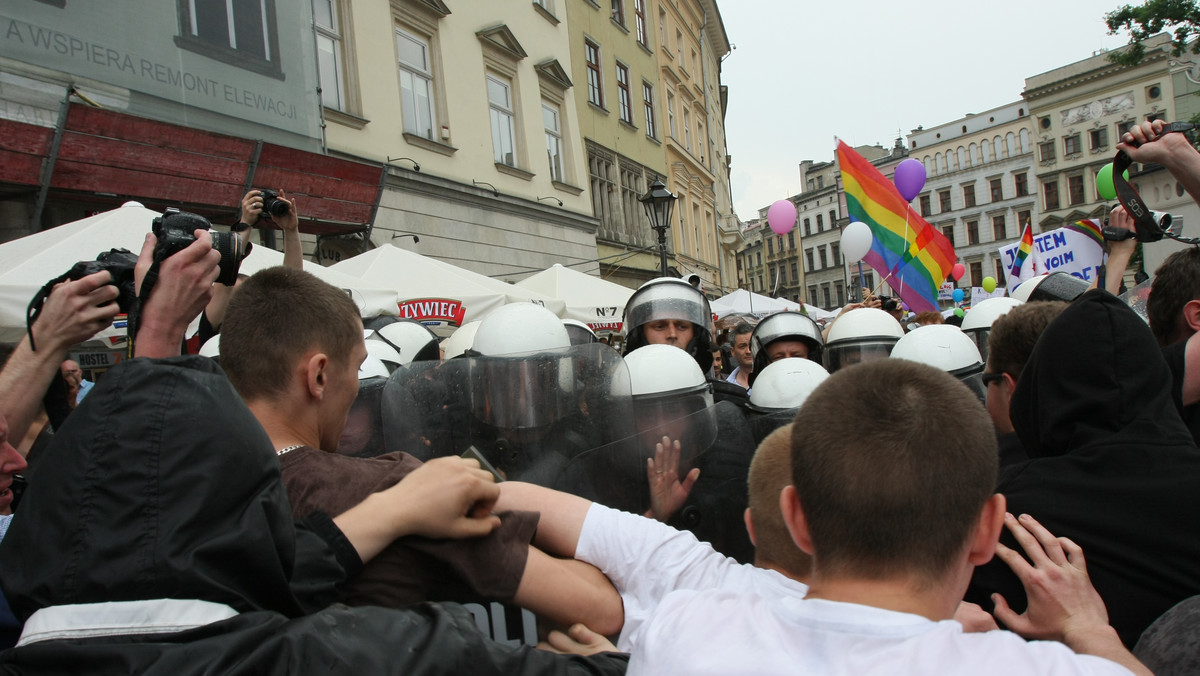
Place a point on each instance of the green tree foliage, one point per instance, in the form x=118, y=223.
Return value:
x=1180, y=17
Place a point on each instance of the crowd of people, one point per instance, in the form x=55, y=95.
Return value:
x=321, y=492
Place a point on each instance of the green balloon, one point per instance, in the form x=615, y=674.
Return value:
x=1104, y=182
x=958, y=312
x=989, y=284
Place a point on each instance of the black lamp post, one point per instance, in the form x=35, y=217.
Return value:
x=658, y=202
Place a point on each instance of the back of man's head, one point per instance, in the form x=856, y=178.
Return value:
x=893, y=462
x=1014, y=334
x=770, y=471
x=275, y=318
x=1176, y=282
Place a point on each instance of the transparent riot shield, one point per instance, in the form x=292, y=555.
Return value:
x=528, y=415
x=763, y=423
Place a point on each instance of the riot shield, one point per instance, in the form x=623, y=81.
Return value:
x=526, y=414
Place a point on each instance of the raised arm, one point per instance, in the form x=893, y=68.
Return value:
x=1147, y=144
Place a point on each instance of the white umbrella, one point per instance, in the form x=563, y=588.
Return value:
x=372, y=301
x=591, y=300
x=513, y=293
x=741, y=301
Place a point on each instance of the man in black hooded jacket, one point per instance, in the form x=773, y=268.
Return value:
x=1112, y=466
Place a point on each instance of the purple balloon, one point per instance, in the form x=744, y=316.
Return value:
x=909, y=178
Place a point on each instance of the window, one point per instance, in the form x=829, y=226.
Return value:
x=808, y=256
x=1023, y=219
x=926, y=209
x=238, y=32
x=648, y=106
x=416, y=84
x=999, y=272
x=807, y=228
x=977, y=274
x=944, y=200
x=1071, y=144
x=671, y=114
x=1075, y=189
x=1050, y=195
x=770, y=247
x=501, y=111
x=624, y=100
x=795, y=273
x=662, y=27
x=812, y=295
x=972, y=232
x=820, y=223
x=821, y=255
x=836, y=253
x=603, y=185
x=1123, y=127
x=792, y=239
x=948, y=231
x=779, y=243
x=828, y=299
x=687, y=129
x=840, y=294
x=999, y=228
x=759, y=257
x=639, y=11
x=832, y=219
x=1021, y=183
x=591, y=54
x=618, y=11
x=329, y=52
x=679, y=47
x=997, y=189
x=1046, y=151
x=969, y=195
x=554, y=142
x=1098, y=138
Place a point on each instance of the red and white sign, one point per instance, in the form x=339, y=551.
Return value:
x=605, y=326
x=433, y=309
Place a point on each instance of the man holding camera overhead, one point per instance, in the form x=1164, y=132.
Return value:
x=265, y=206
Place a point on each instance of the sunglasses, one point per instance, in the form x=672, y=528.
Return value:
x=989, y=378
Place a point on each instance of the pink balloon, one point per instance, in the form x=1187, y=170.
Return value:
x=782, y=217
x=909, y=178
x=957, y=271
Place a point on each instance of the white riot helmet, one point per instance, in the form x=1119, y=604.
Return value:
x=522, y=370
x=670, y=298
x=413, y=340
x=861, y=335
x=787, y=325
x=671, y=396
x=460, y=341
x=1054, y=286
x=211, y=347
x=945, y=347
x=785, y=384
x=372, y=367
x=383, y=351
x=579, y=332
x=978, y=322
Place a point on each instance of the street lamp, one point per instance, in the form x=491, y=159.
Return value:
x=658, y=202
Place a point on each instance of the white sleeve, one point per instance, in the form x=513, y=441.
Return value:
x=646, y=560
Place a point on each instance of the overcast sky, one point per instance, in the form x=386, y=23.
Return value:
x=864, y=70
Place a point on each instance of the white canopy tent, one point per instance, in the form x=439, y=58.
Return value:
x=433, y=292
x=745, y=302
x=29, y=262
x=591, y=300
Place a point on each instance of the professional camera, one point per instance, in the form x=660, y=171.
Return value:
x=119, y=263
x=175, y=231
x=272, y=204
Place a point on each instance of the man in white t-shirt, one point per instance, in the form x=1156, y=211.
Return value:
x=646, y=559
x=892, y=497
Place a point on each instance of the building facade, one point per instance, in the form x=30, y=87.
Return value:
x=979, y=188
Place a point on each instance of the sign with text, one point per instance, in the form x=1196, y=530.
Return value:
x=978, y=294
x=433, y=309
x=1061, y=250
x=946, y=292
x=256, y=64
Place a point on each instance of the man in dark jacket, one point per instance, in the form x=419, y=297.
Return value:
x=1112, y=466
x=161, y=541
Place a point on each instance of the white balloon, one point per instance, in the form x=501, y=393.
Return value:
x=856, y=241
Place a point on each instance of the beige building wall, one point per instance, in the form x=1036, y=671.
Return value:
x=494, y=211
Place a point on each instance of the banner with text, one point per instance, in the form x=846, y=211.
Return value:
x=1061, y=250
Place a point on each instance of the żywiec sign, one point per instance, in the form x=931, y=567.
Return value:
x=433, y=309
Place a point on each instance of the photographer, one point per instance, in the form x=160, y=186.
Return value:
x=257, y=206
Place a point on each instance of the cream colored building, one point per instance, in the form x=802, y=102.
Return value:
x=481, y=96
x=1079, y=112
x=691, y=41
x=618, y=99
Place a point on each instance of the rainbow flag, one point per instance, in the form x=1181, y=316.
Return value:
x=1089, y=227
x=914, y=256
x=1023, y=252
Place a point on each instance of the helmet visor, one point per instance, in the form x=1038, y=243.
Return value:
x=668, y=301
x=839, y=356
